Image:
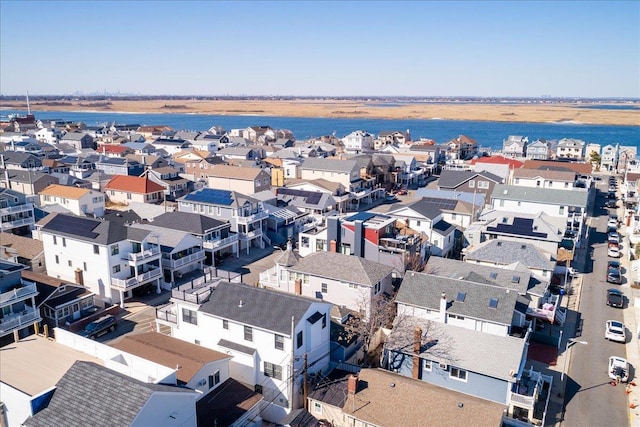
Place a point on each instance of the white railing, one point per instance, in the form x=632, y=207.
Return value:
x=125, y=284
x=526, y=402
x=167, y=313
x=252, y=218
x=269, y=278
x=175, y=263
x=16, y=209
x=220, y=243
x=144, y=255
x=17, y=320
x=18, y=294
x=18, y=223
x=250, y=234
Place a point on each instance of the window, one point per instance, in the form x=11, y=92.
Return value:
x=517, y=180
x=57, y=260
x=472, y=184
x=272, y=370
x=320, y=244
x=324, y=288
x=317, y=408
x=299, y=340
x=189, y=316
x=561, y=211
x=279, y=342
x=115, y=250
x=214, y=379
x=55, y=240
x=84, y=266
x=458, y=374
x=427, y=365
x=225, y=324
x=324, y=320
x=96, y=249
x=248, y=333
x=69, y=263
x=453, y=216
x=128, y=196
x=483, y=184
x=116, y=269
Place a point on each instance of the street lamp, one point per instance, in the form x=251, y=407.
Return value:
x=570, y=343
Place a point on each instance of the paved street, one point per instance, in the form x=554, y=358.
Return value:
x=591, y=400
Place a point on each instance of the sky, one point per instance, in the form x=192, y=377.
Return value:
x=321, y=48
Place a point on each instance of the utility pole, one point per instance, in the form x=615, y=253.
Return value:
x=305, y=385
x=291, y=365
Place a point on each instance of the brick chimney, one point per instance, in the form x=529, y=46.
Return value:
x=333, y=246
x=298, y=287
x=417, y=344
x=352, y=384
x=79, y=277
x=443, y=308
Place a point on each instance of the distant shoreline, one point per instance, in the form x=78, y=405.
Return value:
x=490, y=112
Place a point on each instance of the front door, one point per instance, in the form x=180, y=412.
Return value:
x=75, y=310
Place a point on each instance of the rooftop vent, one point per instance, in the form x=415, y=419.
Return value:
x=240, y=304
x=493, y=302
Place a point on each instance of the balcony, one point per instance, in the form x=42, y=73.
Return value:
x=399, y=243
x=167, y=314
x=15, y=321
x=137, y=258
x=252, y=218
x=16, y=209
x=195, y=294
x=137, y=280
x=250, y=235
x=177, y=263
x=8, y=225
x=220, y=243
x=269, y=278
x=18, y=294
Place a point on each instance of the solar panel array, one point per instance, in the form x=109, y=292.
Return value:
x=73, y=225
x=361, y=216
x=311, y=197
x=520, y=226
x=212, y=196
x=448, y=204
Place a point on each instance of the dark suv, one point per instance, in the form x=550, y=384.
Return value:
x=99, y=327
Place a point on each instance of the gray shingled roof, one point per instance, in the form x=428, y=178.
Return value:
x=574, y=197
x=450, y=178
x=504, y=252
x=106, y=232
x=186, y=221
x=329, y=165
x=347, y=268
x=425, y=290
x=90, y=394
x=262, y=308
x=425, y=208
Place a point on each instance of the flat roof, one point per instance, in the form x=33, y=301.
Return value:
x=35, y=364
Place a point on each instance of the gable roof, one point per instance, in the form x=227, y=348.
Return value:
x=133, y=184
x=424, y=207
x=500, y=160
x=216, y=197
x=549, y=174
x=551, y=196
x=26, y=247
x=169, y=352
x=329, y=165
x=65, y=191
x=578, y=167
x=235, y=172
x=225, y=404
x=347, y=268
x=90, y=230
x=263, y=308
x=107, y=398
x=450, y=178
x=186, y=221
x=506, y=252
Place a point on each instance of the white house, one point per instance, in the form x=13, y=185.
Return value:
x=79, y=201
x=544, y=178
x=569, y=148
x=358, y=141
x=515, y=146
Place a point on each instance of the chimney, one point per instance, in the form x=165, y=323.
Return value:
x=332, y=246
x=79, y=278
x=352, y=384
x=443, y=308
x=417, y=344
x=298, y=287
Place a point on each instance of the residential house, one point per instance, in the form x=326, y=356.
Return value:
x=609, y=158
x=18, y=310
x=149, y=161
x=569, y=148
x=125, y=189
x=79, y=141
x=217, y=238
x=20, y=160
x=626, y=155
x=242, y=179
x=358, y=141
x=48, y=135
x=238, y=153
x=27, y=182
x=108, y=258
x=317, y=204
x=462, y=148
x=468, y=181
x=171, y=145
x=16, y=212
x=345, y=281
x=79, y=201
x=345, y=172
x=169, y=178
x=26, y=251
x=376, y=397
x=152, y=132
x=544, y=178
x=515, y=146
x=336, y=190
x=141, y=148
x=270, y=335
x=118, y=165
x=394, y=137
x=245, y=214
x=113, y=150
x=580, y=168
x=383, y=168
x=54, y=166
x=540, y=149
x=98, y=390
x=570, y=205
x=198, y=164
x=425, y=217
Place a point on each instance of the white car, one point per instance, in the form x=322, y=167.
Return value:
x=618, y=369
x=614, y=251
x=615, y=331
x=613, y=222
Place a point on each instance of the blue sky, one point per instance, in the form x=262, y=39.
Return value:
x=359, y=48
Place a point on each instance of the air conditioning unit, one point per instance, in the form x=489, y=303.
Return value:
x=202, y=382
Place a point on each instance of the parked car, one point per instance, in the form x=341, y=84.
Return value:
x=611, y=195
x=618, y=369
x=613, y=264
x=613, y=221
x=611, y=204
x=615, y=298
x=614, y=276
x=613, y=237
x=614, y=250
x=100, y=327
x=615, y=331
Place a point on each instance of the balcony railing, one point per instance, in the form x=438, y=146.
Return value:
x=145, y=255
x=167, y=313
x=176, y=263
x=18, y=294
x=17, y=223
x=16, y=209
x=131, y=282
x=269, y=278
x=250, y=234
x=252, y=218
x=193, y=294
x=11, y=322
x=220, y=243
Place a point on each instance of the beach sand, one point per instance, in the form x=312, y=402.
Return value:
x=530, y=113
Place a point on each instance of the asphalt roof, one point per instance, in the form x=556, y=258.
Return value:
x=450, y=178
x=186, y=221
x=263, y=308
x=330, y=165
x=573, y=197
x=506, y=252
x=90, y=230
x=347, y=268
